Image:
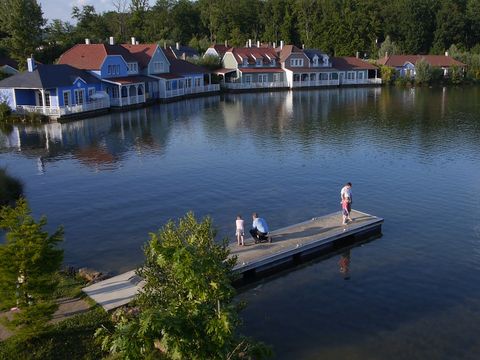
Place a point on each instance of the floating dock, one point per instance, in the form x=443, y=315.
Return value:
x=289, y=245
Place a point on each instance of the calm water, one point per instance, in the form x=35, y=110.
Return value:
x=412, y=156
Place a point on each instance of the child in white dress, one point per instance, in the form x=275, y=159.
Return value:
x=239, y=232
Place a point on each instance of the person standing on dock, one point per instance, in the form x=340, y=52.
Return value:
x=239, y=232
x=259, y=229
x=346, y=195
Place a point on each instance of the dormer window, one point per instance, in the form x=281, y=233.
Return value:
x=296, y=62
x=325, y=61
x=132, y=68
x=273, y=62
x=245, y=61
x=258, y=62
x=315, y=60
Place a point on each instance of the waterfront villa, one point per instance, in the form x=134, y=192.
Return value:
x=252, y=67
x=8, y=66
x=404, y=65
x=53, y=90
x=288, y=66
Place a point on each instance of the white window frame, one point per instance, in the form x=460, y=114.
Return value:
x=91, y=91
x=258, y=62
x=248, y=79
x=158, y=66
x=360, y=75
x=296, y=62
x=262, y=78
x=189, y=83
x=69, y=98
x=276, y=77
x=350, y=75
x=79, y=95
x=197, y=82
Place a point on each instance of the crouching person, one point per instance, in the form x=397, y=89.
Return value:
x=259, y=229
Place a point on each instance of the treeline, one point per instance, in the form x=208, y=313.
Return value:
x=339, y=27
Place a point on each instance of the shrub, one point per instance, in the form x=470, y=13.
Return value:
x=387, y=73
x=10, y=188
x=423, y=72
x=5, y=111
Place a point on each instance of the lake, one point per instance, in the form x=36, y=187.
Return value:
x=411, y=154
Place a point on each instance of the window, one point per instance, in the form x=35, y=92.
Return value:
x=360, y=75
x=258, y=62
x=109, y=70
x=313, y=77
x=296, y=62
x=91, y=91
x=350, y=75
x=315, y=60
x=263, y=78
x=66, y=98
x=132, y=67
x=248, y=78
x=47, y=98
x=197, y=82
x=296, y=77
x=276, y=77
x=189, y=83
x=158, y=66
x=168, y=85
x=273, y=62
x=324, y=76
x=78, y=96
x=245, y=61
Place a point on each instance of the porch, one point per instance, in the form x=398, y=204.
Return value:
x=126, y=91
x=58, y=111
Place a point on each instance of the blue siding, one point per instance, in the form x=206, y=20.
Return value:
x=158, y=56
x=117, y=62
x=78, y=84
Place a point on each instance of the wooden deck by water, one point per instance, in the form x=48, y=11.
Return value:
x=288, y=244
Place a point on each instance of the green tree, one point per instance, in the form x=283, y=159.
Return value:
x=387, y=47
x=22, y=23
x=450, y=28
x=89, y=24
x=28, y=260
x=472, y=14
x=387, y=73
x=138, y=13
x=423, y=72
x=186, y=307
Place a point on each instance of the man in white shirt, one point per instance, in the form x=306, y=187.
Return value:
x=346, y=193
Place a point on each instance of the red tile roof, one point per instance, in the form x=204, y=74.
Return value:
x=287, y=50
x=351, y=63
x=253, y=53
x=434, y=60
x=220, y=49
x=142, y=52
x=91, y=56
x=310, y=69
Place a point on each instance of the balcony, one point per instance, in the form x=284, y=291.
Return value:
x=255, y=85
x=57, y=111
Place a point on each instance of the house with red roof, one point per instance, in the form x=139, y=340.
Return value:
x=217, y=50
x=252, y=67
x=404, y=65
x=354, y=71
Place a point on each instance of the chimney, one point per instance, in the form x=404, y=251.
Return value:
x=133, y=40
x=226, y=43
x=386, y=54
x=249, y=43
x=137, y=42
x=177, y=46
x=164, y=44
x=357, y=55
x=87, y=41
x=258, y=43
x=446, y=53
x=246, y=44
x=274, y=44
x=303, y=46
x=281, y=44
x=31, y=66
x=111, y=41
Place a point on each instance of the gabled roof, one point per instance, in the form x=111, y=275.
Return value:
x=252, y=53
x=220, y=49
x=178, y=66
x=434, y=60
x=91, y=56
x=143, y=53
x=288, y=50
x=351, y=63
x=7, y=61
x=184, y=51
x=48, y=76
x=312, y=52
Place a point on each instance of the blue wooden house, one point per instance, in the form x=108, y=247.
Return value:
x=53, y=90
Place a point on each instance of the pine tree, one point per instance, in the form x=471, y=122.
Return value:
x=29, y=259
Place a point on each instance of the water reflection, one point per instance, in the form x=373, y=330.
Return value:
x=344, y=264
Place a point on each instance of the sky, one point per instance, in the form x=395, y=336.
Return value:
x=62, y=9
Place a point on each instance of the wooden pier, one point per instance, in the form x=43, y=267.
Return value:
x=289, y=245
